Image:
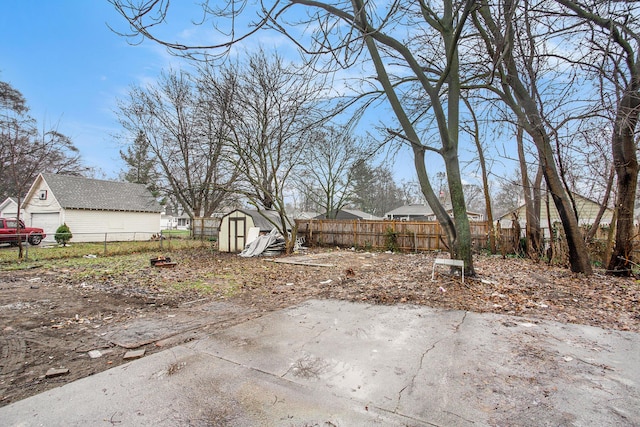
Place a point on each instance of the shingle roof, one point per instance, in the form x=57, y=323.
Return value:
x=259, y=219
x=75, y=192
x=418, y=209
x=348, y=213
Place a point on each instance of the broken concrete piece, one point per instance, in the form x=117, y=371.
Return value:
x=94, y=354
x=134, y=354
x=56, y=372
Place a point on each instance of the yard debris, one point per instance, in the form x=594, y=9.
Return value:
x=56, y=372
x=162, y=261
x=133, y=354
x=326, y=282
x=269, y=245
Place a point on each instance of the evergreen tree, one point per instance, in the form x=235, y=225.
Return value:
x=141, y=164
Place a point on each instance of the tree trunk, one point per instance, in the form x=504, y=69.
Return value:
x=603, y=207
x=457, y=231
x=516, y=95
x=485, y=179
x=626, y=164
x=531, y=202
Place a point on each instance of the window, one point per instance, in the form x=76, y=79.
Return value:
x=42, y=195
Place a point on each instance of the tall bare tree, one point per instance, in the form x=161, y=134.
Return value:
x=517, y=84
x=421, y=38
x=186, y=130
x=272, y=125
x=25, y=151
x=325, y=178
x=614, y=33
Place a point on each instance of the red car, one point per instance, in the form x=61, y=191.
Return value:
x=9, y=232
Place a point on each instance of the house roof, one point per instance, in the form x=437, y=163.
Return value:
x=8, y=201
x=75, y=192
x=347, y=213
x=413, y=210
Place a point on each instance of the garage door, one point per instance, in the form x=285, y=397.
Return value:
x=49, y=222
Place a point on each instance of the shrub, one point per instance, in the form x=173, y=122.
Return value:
x=63, y=235
x=391, y=240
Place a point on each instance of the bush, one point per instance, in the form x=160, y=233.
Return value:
x=63, y=235
x=391, y=240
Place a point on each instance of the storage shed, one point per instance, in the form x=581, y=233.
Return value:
x=234, y=227
x=93, y=209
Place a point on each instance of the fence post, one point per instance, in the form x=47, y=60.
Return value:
x=161, y=239
x=105, y=244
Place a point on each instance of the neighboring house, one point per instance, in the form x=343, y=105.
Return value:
x=296, y=214
x=347, y=213
x=9, y=208
x=422, y=212
x=167, y=220
x=171, y=220
x=182, y=221
x=93, y=209
x=587, y=211
x=233, y=233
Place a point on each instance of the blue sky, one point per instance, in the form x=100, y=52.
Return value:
x=72, y=68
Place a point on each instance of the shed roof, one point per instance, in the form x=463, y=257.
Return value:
x=76, y=192
x=259, y=219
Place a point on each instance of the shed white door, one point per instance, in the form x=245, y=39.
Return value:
x=237, y=233
x=49, y=222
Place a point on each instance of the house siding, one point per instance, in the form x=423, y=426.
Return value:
x=79, y=202
x=91, y=226
x=48, y=205
x=9, y=209
x=587, y=212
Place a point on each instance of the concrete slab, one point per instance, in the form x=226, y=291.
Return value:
x=332, y=363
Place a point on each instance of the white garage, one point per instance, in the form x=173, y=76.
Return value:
x=95, y=210
x=48, y=221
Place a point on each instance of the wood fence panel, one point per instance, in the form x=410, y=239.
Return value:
x=416, y=236
x=380, y=235
x=205, y=228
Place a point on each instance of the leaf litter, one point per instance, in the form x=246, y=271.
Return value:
x=54, y=317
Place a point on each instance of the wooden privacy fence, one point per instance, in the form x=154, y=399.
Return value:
x=404, y=236
x=205, y=228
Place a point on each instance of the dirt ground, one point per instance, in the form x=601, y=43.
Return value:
x=66, y=318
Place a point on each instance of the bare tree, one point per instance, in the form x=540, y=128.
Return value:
x=273, y=124
x=184, y=124
x=613, y=30
x=517, y=85
x=419, y=37
x=474, y=131
x=26, y=152
x=325, y=177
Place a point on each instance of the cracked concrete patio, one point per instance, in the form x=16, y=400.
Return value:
x=334, y=363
